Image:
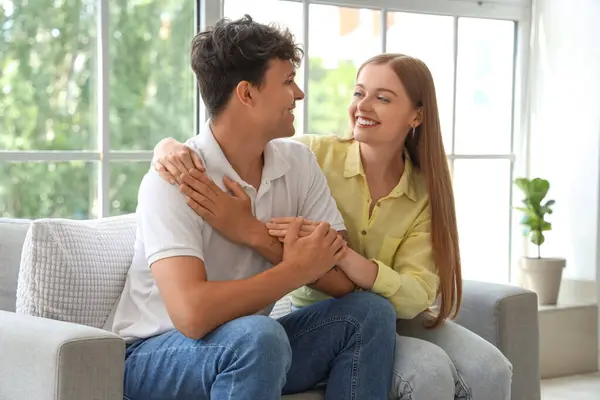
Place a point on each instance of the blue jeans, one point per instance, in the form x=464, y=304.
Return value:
x=347, y=342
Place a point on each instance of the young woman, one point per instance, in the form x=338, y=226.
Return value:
x=392, y=184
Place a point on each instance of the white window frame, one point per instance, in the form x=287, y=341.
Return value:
x=209, y=11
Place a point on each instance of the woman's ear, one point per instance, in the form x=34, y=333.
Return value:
x=418, y=119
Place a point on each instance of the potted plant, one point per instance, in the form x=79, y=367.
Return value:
x=539, y=274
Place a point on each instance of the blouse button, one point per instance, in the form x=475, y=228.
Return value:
x=363, y=232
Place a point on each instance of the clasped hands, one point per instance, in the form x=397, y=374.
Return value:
x=311, y=244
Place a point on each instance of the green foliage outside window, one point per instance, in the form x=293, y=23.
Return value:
x=49, y=91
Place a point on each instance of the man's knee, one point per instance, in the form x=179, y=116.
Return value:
x=263, y=336
x=367, y=306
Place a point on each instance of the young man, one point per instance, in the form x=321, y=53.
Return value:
x=195, y=307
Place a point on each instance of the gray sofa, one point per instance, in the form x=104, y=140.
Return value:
x=76, y=359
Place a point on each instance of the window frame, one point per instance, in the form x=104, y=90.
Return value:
x=209, y=11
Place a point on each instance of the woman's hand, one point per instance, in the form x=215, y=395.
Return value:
x=278, y=227
x=228, y=212
x=335, y=282
x=171, y=159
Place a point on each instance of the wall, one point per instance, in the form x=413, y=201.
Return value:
x=565, y=126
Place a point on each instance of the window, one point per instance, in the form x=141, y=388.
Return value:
x=482, y=194
x=340, y=39
x=51, y=88
x=85, y=99
x=152, y=87
x=484, y=86
x=436, y=49
x=283, y=14
x=482, y=146
x=64, y=189
x=48, y=79
x=125, y=175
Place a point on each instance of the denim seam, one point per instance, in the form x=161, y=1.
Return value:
x=356, y=365
x=467, y=394
x=356, y=356
x=407, y=395
x=326, y=322
x=234, y=375
x=162, y=350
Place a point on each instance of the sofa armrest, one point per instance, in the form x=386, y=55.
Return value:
x=44, y=359
x=507, y=317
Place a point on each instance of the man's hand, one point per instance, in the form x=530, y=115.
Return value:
x=278, y=227
x=315, y=254
x=228, y=213
x=171, y=159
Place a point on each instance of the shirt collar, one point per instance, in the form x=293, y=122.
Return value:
x=354, y=167
x=353, y=162
x=217, y=164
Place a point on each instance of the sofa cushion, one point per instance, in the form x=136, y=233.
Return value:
x=12, y=235
x=75, y=271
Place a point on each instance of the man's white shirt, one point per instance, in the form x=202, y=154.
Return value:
x=292, y=184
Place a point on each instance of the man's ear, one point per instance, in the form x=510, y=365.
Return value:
x=245, y=93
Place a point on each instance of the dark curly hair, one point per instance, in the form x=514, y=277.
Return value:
x=235, y=51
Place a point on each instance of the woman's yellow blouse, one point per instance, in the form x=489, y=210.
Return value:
x=397, y=236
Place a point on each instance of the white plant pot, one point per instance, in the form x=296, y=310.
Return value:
x=542, y=276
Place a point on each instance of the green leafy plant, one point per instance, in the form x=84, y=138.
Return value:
x=534, y=212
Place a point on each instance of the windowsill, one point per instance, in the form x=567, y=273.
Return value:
x=566, y=306
x=568, y=339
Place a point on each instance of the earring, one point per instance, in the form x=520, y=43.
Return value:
x=413, y=131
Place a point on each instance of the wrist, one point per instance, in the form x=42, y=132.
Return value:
x=346, y=260
x=256, y=232
x=293, y=272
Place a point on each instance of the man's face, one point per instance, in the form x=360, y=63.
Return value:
x=276, y=99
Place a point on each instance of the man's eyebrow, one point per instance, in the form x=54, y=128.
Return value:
x=378, y=89
x=291, y=74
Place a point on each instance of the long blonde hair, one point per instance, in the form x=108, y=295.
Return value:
x=426, y=151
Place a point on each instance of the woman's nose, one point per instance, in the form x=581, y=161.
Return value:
x=364, y=105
